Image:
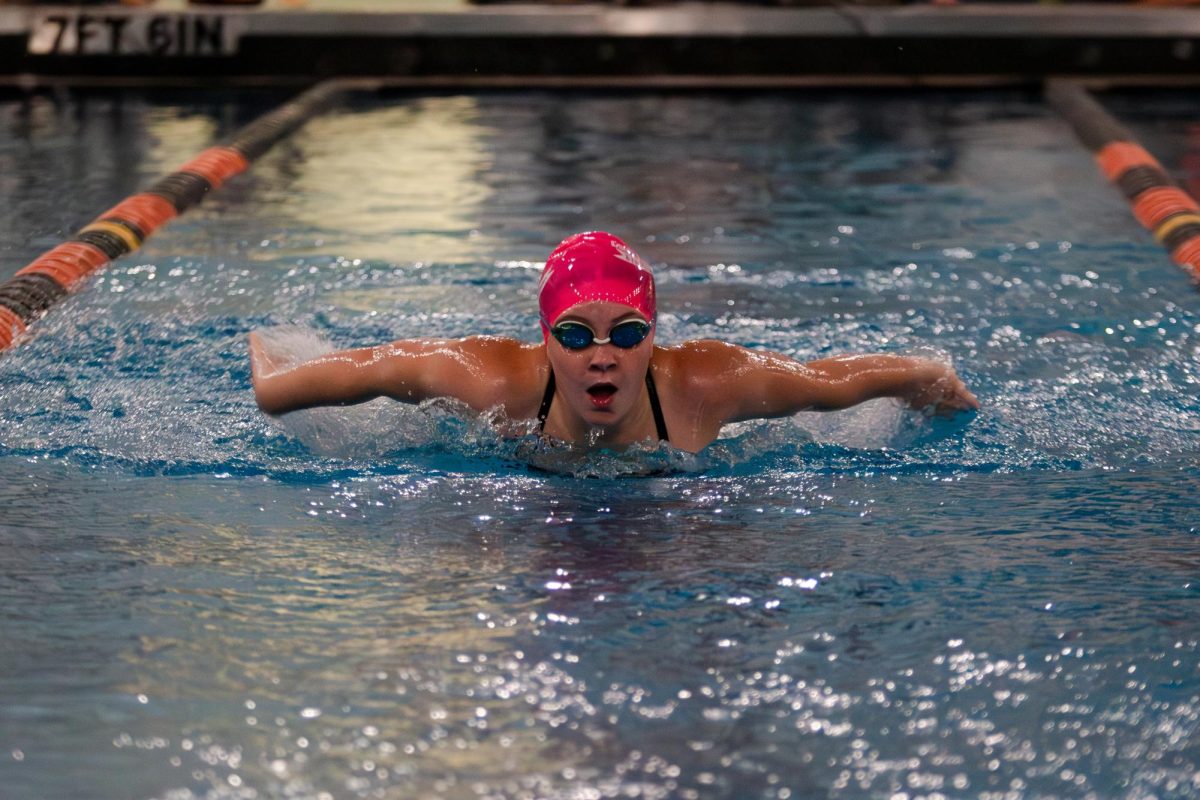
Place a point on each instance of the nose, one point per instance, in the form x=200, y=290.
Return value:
x=603, y=357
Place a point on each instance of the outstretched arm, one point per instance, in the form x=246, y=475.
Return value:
x=922, y=383
x=773, y=385
x=472, y=370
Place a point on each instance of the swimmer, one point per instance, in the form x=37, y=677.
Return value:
x=597, y=379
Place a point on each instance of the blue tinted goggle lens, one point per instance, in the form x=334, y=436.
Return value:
x=576, y=335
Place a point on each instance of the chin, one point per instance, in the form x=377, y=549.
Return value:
x=605, y=419
x=600, y=419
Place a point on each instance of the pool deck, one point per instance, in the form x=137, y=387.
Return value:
x=450, y=43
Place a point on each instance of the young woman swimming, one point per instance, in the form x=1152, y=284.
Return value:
x=597, y=379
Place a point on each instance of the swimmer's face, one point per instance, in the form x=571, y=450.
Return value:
x=601, y=383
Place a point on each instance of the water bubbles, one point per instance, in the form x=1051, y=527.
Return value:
x=958, y=253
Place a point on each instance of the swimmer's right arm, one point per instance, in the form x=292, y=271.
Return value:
x=408, y=371
x=334, y=379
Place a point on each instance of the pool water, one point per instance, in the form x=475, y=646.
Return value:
x=393, y=602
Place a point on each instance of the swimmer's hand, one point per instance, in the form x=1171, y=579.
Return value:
x=938, y=391
x=270, y=367
x=261, y=362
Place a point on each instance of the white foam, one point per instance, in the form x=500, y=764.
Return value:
x=289, y=345
x=365, y=430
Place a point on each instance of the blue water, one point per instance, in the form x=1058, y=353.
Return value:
x=391, y=602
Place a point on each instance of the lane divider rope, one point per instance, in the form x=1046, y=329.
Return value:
x=1158, y=203
x=29, y=294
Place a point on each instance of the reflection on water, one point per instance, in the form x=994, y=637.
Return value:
x=466, y=636
x=394, y=602
x=404, y=172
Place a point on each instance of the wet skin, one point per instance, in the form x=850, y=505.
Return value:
x=600, y=390
x=600, y=397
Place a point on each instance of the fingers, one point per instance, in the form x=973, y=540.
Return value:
x=261, y=363
x=955, y=397
x=970, y=400
x=945, y=395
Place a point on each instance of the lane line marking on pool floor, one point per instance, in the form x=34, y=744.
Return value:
x=29, y=294
x=1158, y=203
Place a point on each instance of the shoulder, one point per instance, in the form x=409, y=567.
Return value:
x=699, y=363
x=699, y=372
x=503, y=349
x=699, y=386
x=482, y=371
x=724, y=382
x=508, y=372
x=499, y=357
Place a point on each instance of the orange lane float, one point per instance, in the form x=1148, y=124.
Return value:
x=217, y=165
x=1117, y=157
x=11, y=326
x=1187, y=255
x=1157, y=205
x=1160, y=205
x=124, y=228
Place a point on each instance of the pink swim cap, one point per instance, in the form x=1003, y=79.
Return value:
x=594, y=266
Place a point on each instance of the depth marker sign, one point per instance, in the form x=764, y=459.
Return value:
x=113, y=33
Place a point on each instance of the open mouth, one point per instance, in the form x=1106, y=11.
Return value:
x=602, y=394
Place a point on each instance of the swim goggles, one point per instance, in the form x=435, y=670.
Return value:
x=576, y=335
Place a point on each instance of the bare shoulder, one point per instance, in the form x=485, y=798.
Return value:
x=701, y=363
x=695, y=382
x=718, y=382
x=505, y=371
x=697, y=373
x=500, y=349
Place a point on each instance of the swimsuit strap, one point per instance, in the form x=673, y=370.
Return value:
x=656, y=408
x=547, y=399
x=660, y=424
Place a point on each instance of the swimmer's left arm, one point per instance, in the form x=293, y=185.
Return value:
x=773, y=385
x=841, y=382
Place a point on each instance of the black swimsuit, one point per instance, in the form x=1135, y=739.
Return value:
x=655, y=407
